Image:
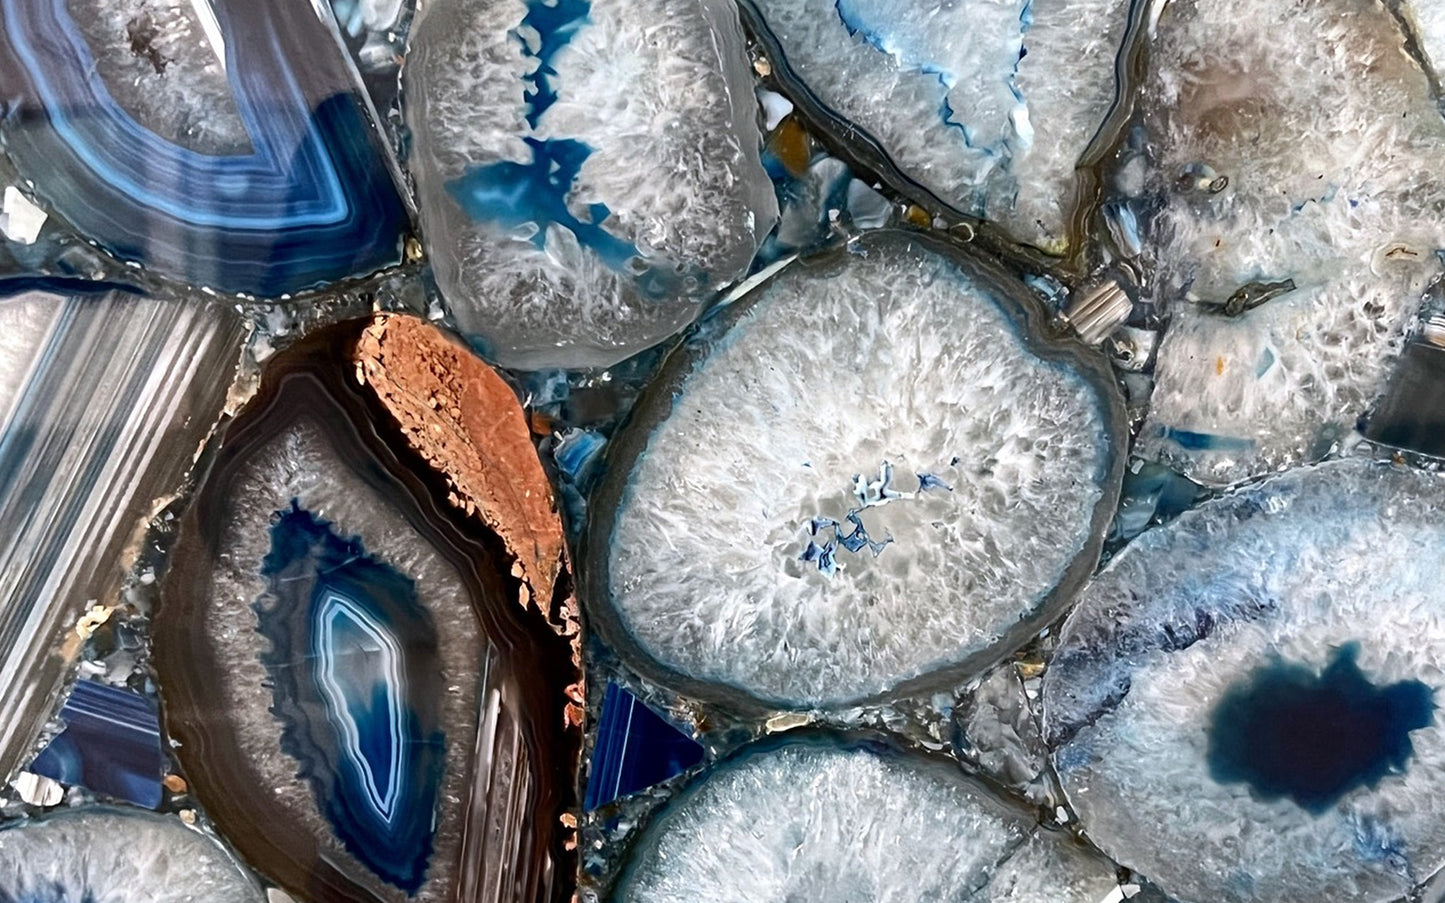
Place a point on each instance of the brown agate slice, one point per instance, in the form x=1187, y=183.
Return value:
x=361, y=705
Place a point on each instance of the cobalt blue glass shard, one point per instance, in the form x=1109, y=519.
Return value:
x=111, y=744
x=635, y=748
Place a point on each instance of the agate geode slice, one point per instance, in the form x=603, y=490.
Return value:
x=1260, y=194
x=988, y=107
x=865, y=473
x=1255, y=684
x=104, y=855
x=220, y=143
x=825, y=817
x=368, y=700
x=587, y=173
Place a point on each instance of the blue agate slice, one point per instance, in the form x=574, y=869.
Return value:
x=111, y=744
x=353, y=661
x=587, y=171
x=823, y=817
x=898, y=478
x=987, y=107
x=1258, y=197
x=360, y=704
x=282, y=192
x=1256, y=683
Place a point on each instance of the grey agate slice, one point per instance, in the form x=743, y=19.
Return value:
x=832, y=819
x=587, y=174
x=1306, y=613
x=103, y=855
x=988, y=106
x=868, y=473
x=1311, y=175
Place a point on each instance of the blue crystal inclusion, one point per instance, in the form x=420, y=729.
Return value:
x=354, y=663
x=1288, y=731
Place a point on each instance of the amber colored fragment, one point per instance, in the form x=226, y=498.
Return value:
x=464, y=419
x=790, y=144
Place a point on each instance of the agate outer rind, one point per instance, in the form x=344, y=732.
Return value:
x=819, y=815
x=510, y=756
x=588, y=173
x=1323, y=564
x=1022, y=314
x=461, y=416
x=109, y=854
x=312, y=200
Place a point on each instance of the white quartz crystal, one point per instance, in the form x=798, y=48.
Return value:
x=897, y=364
x=1289, y=571
x=988, y=104
x=1291, y=142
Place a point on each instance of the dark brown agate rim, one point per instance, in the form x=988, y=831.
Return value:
x=315, y=378
x=655, y=405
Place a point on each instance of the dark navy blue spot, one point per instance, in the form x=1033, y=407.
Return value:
x=357, y=683
x=1289, y=732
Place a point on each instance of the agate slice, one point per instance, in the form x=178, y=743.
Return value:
x=367, y=702
x=986, y=106
x=1300, y=208
x=103, y=402
x=869, y=471
x=118, y=856
x=220, y=142
x=826, y=818
x=587, y=173
x=1255, y=683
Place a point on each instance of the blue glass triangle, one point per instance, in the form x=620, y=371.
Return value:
x=636, y=748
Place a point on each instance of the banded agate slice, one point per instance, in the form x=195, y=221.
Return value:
x=256, y=171
x=870, y=473
x=336, y=634
x=587, y=172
